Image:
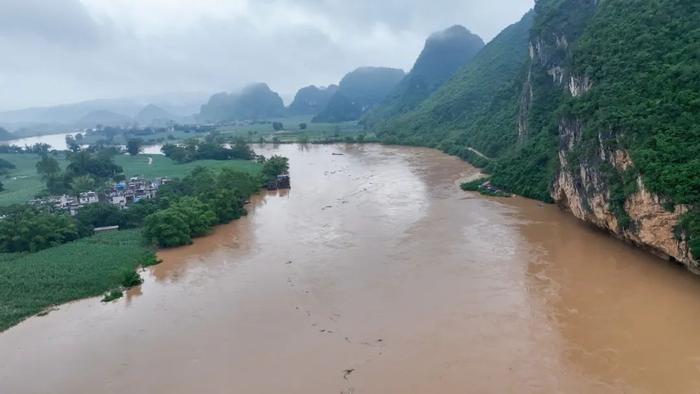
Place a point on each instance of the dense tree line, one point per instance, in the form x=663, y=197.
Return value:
x=184, y=209
x=213, y=147
x=28, y=229
x=198, y=202
x=87, y=168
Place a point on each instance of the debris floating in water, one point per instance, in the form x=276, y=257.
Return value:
x=347, y=373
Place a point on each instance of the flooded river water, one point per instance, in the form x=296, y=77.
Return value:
x=376, y=274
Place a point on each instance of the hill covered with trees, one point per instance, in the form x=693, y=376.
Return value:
x=593, y=105
x=311, y=100
x=256, y=101
x=444, y=53
x=360, y=91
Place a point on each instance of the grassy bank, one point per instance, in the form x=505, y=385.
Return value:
x=23, y=183
x=30, y=283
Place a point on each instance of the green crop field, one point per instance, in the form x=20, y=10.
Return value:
x=30, y=283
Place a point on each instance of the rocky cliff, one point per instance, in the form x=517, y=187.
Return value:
x=585, y=189
x=597, y=179
x=593, y=105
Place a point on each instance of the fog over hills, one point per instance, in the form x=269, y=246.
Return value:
x=256, y=101
x=360, y=91
x=68, y=51
x=444, y=53
x=311, y=100
x=64, y=117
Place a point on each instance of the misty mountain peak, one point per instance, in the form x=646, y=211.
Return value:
x=445, y=52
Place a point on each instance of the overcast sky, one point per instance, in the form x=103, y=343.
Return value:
x=59, y=51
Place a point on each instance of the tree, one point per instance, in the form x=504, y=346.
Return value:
x=134, y=146
x=27, y=229
x=47, y=167
x=99, y=215
x=274, y=166
x=302, y=126
x=72, y=144
x=50, y=171
x=198, y=216
x=99, y=165
x=241, y=150
x=40, y=148
x=167, y=228
x=82, y=184
x=277, y=126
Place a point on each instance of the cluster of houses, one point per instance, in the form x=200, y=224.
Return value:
x=121, y=194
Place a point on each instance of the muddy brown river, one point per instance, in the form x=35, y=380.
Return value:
x=376, y=274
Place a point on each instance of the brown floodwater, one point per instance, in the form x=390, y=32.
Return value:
x=376, y=274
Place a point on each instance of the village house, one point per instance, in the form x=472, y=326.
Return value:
x=134, y=190
x=121, y=194
x=68, y=203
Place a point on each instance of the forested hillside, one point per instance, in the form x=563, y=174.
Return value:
x=592, y=104
x=360, y=91
x=253, y=102
x=444, y=53
x=311, y=100
x=472, y=108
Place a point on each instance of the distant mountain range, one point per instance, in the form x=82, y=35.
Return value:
x=360, y=91
x=5, y=135
x=311, y=100
x=255, y=101
x=59, y=118
x=375, y=93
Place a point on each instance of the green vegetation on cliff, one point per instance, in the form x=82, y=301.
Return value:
x=487, y=88
x=479, y=108
x=601, y=76
x=643, y=58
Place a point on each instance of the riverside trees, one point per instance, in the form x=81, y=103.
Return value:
x=196, y=203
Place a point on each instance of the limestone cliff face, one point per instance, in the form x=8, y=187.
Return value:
x=588, y=180
x=585, y=190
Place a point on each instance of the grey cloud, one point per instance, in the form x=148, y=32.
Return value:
x=59, y=51
x=62, y=22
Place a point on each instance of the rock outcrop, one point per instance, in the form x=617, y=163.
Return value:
x=583, y=190
x=585, y=182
